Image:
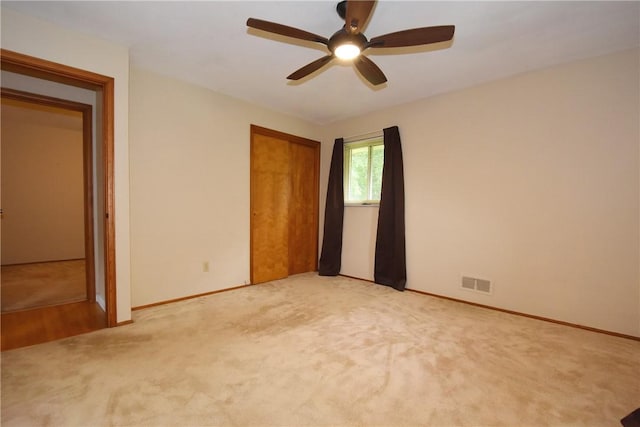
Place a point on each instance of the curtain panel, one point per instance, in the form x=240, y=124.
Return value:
x=390, y=260
x=331, y=255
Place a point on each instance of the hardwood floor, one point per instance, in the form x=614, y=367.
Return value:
x=28, y=327
x=33, y=285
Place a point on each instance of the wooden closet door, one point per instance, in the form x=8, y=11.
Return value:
x=284, y=204
x=270, y=190
x=303, y=208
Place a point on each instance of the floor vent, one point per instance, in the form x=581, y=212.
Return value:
x=477, y=285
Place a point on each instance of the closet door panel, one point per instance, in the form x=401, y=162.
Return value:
x=270, y=194
x=303, y=208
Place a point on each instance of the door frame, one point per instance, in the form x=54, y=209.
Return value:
x=87, y=170
x=104, y=86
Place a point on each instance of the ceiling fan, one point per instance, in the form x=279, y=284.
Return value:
x=348, y=43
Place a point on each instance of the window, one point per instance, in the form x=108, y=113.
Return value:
x=363, y=161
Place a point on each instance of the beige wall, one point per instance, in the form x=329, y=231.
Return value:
x=190, y=186
x=42, y=184
x=531, y=182
x=24, y=34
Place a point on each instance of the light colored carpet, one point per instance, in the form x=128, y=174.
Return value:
x=42, y=284
x=311, y=351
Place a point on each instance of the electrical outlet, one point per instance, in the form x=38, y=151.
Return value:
x=205, y=267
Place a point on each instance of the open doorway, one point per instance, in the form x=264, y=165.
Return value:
x=23, y=327
x=47, y=220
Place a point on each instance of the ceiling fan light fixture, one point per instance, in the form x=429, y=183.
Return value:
x=347, y=51
x=348, y=43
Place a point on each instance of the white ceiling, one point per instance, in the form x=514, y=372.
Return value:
x=209, y=44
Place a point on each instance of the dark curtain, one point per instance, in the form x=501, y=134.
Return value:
x=390, y=263
x=331, y=255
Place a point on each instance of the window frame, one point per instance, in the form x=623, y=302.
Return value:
x=369, y=142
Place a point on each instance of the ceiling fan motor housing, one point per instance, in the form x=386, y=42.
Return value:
x=342, y=36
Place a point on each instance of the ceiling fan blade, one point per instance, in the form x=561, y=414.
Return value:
x=358, y=12
x=310, y=68
x=284, y=30
x=369, y=70
x=414, y=37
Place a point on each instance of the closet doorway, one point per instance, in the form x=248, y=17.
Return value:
x=284, y=204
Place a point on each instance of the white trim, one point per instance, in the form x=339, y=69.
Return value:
x=364, y=137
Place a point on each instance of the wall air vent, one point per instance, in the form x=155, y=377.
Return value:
x=476, y=285
x=469, y=283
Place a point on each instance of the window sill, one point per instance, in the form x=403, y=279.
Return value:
x=362, y=205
